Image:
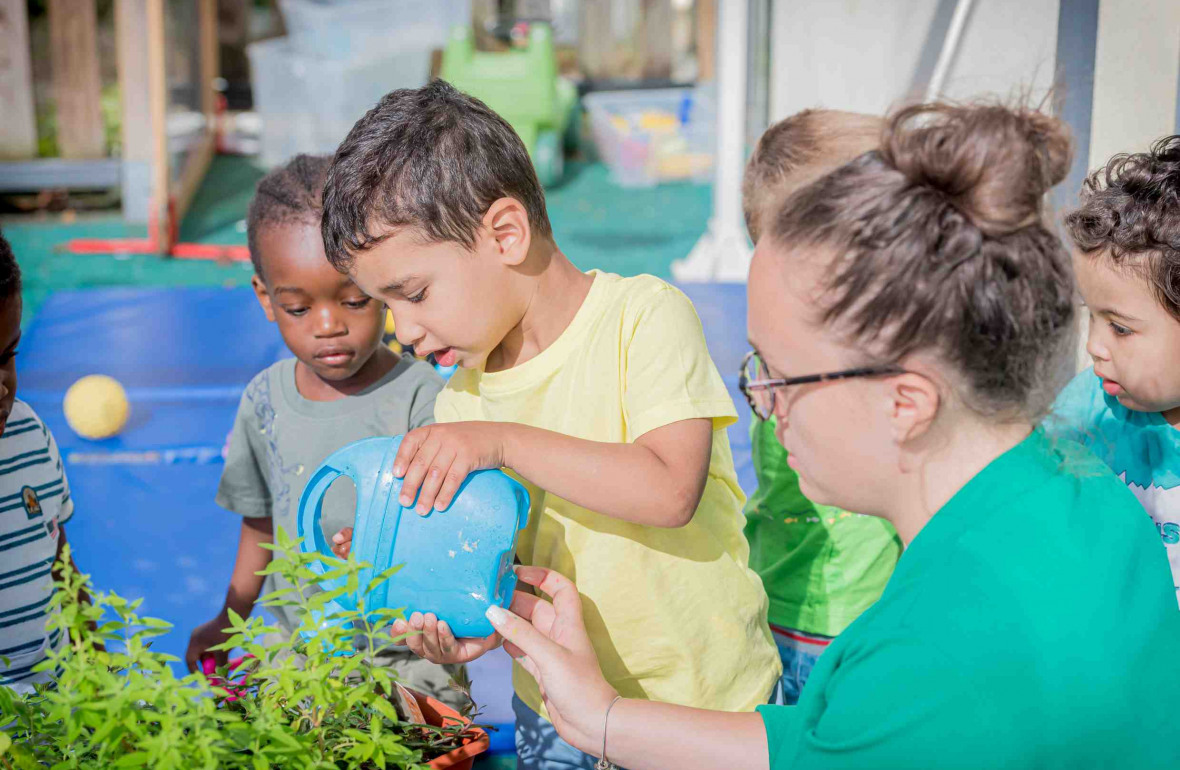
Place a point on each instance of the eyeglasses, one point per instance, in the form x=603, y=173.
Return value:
x=757, y=386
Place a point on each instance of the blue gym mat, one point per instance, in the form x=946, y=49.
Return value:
x=145, y=524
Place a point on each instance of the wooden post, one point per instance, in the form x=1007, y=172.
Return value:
x=160, y=207
x=201, y=155
x=210, y=57
x=73, y=50
x=657, y=39
x=18, y=138
x=134, y=92
x=596, y=42
x=706, y=39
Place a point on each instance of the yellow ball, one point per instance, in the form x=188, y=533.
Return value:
x=390, y=328
x=96, y=406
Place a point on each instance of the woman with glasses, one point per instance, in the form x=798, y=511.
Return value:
x=912, y=313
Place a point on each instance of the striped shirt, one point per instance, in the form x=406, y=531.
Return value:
x=34, y=502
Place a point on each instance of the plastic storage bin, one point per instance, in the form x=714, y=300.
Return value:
x=341, y=28
x=651, y=136
x=455, y=563
x=309, y=104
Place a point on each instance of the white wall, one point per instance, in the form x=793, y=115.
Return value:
x=1135, y=76
x=862, y=55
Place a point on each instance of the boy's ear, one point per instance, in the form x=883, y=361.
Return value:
x=263, y=297
x=507, y=231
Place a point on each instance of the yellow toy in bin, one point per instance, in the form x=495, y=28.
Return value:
x=96, y=407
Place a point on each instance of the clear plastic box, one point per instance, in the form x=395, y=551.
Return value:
x=651, y=136
x=339, y=29
x=309, y=104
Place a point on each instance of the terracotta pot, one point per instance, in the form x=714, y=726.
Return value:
x=439, y=714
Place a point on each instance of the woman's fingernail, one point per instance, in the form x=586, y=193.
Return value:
x=496, y=614
x=397, y=471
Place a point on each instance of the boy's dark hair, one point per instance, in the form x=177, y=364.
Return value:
x=9, y=270
x=430, y=158
x=939, y=244
x=796, y=151
x=292, y=193
x=1130, y=214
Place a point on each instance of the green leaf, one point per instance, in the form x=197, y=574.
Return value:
x=386, y=708
x=134, y=759
x=383, y=577
x=5, y=743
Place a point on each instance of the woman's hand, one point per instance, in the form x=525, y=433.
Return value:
x=549, y=639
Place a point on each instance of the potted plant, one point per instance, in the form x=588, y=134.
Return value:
x=295, y=701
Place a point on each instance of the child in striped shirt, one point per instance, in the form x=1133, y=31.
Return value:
x=34, y=504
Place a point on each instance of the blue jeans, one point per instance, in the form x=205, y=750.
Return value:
x=539, y=747
x=798, y=651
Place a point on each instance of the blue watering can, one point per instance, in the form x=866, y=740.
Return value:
x=456, y=563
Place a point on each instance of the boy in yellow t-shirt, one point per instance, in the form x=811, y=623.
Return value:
x=597, y=390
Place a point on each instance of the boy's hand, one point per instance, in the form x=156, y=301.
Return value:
x=342, y=543
x=431, y=638
x=433, y=461
x=204, y=636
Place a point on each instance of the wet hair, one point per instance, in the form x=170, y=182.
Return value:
x=433, y=159
x=10, y=282
x=940, y=245
x=290, y=194
x=798, y=150
x=1130, y=215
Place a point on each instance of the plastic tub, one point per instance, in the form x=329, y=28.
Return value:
x=651, y=136
x=309, y=104
x=341, y=28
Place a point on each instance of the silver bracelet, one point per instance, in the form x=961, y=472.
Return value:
x=604, y=763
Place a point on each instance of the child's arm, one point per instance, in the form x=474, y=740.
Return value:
x=656, y=481
x=244, y=587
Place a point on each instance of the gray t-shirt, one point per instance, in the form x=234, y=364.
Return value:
x=279, y=439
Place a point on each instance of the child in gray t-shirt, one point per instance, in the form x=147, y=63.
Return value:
x=342, y=385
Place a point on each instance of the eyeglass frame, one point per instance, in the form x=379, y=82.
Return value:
x=746, y=385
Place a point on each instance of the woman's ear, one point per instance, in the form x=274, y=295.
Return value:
x=506, y=230
x=913, y=402
x=263, y=297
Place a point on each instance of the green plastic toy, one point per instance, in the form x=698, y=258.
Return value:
x=522, y=86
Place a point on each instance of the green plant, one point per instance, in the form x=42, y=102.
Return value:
x=293, y=704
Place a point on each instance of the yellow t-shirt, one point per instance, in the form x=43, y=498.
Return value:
x=675, y=615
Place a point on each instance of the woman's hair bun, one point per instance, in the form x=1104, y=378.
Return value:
x=994, y=163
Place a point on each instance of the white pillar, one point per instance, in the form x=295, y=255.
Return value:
x=723, y=252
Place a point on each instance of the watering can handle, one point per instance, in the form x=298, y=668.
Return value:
x=309, y=524
x=369, y=465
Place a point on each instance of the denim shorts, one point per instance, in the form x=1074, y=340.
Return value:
x=798, y=651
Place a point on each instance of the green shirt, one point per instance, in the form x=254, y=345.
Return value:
x=821, y=566
x=1030, y=624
